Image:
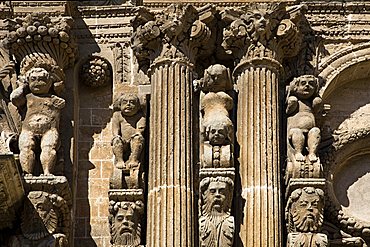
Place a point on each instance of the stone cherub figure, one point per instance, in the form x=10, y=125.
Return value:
x=128, y=124
x=40, y=126
x=216, y=223
x=303, y=103
x=125, y=218
x=217, y=128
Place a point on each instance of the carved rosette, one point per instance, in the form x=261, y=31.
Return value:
x=96, y=72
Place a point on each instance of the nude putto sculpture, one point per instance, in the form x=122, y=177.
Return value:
x=128, y=125
x=303, y=103
x=40, y=126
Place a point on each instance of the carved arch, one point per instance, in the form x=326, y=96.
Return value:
x=334, y=69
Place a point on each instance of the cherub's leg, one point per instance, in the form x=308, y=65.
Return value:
x=27, y=153
x=49, y=144
x=298, y=139
x=137, y=143
x=313, y=141
x=118, y=148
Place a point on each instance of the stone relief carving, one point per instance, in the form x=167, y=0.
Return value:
x=96, y=72
x=128, y=125
x=215, y=223
x=125, y=220
x=217, y=127
x=40, y=127
x=302, y=104
x=305, y=216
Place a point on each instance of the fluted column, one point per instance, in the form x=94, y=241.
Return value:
x=171, y=194
x=167, y=46
x=259, y=41
x=258, y=128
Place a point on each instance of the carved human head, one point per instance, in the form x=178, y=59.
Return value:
x=125, y=222
x=128, y=103
x=219, y=132
x=216, y=195
x=307, y=209
x=216, y=78
x=39, y=217
x=304, y=87
x=39, y=80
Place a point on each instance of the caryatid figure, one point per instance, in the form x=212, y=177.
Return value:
x=303, y=103
x=40, y=126
x=128, y=126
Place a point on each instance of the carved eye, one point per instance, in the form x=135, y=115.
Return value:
x=213, y=131
x=33, y=78
x=212, y=191
x=119, y=218
x=303, y=203
x=257, y=16
x=124, y=101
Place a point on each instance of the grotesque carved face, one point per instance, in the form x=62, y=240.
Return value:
x=39, y=218
x=39, y=80
x=260, y=21
x=305, y=87
x=216, y=194
x=130, y=104
x=307, y=209
x=126, y=228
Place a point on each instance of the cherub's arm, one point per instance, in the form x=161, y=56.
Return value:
x=317, y=105
x=116, y=124
x=140, y=125
x=18, y=96
x=292, y=105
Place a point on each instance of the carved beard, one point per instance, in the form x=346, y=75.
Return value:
x=213, y=215
x=121, y=237
x=307, y=222
x=35, y=228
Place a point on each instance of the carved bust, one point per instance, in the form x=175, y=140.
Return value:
x=128, y=127
x=41, y=121
x=216, y=224
x=303, y=103
x=306, y=209
x=125, y=222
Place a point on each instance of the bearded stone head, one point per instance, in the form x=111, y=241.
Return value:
x=306, y=209
x=125, y=222
x=216, y=195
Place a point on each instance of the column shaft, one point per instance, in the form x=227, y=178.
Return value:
x=258, y=137
x=170, y=196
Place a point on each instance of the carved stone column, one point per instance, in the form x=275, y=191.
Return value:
x=170, y=40
x=259, y=38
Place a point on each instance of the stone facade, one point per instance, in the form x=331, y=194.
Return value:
x=184, y=123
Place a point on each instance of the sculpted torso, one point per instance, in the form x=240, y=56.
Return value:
x=43, y=113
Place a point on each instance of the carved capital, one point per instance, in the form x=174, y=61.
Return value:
x=43, y=39
x=307, y=240
x=262, y=30
x=177, y=33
